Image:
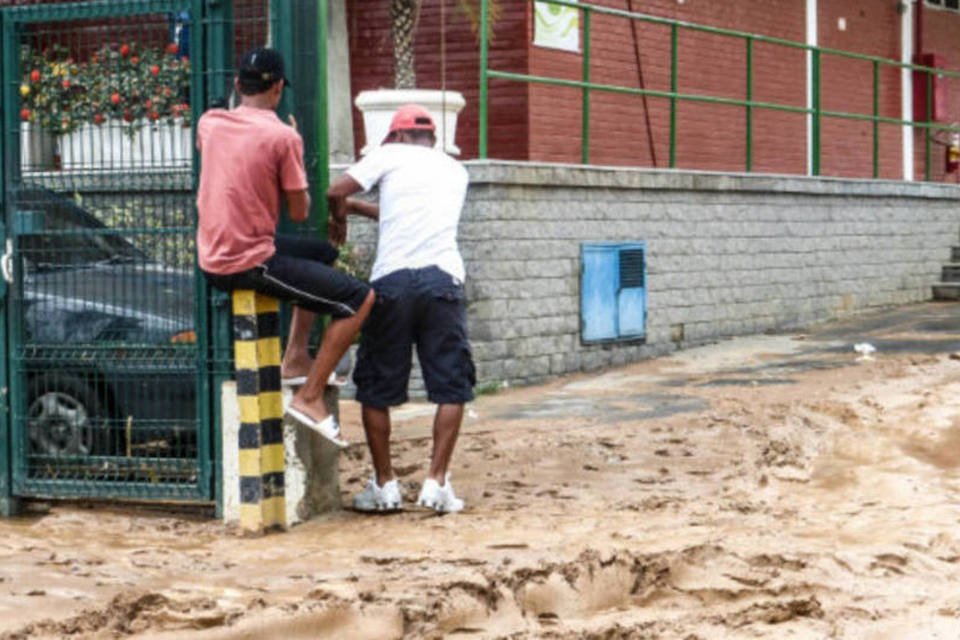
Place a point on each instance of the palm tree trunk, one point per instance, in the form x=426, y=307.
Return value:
x=403, y=22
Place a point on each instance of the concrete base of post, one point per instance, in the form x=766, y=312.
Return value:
x=9, y=506
x=311, y=479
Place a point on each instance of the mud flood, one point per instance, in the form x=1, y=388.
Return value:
x=770, y=487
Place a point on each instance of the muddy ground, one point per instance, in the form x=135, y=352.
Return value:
x=778, y=486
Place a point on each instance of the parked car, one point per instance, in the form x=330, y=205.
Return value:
x=107, y=337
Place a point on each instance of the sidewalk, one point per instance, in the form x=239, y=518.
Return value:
x=649, y=389
x=774, y=486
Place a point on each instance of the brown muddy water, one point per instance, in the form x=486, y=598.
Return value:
x=770, y=487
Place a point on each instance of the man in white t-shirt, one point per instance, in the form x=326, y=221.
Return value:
x=418, y=276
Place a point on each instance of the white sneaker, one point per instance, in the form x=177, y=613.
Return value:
x=377, y=498
x=439, y=497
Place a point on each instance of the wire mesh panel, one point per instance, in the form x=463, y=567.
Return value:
x=232, y=29
x=106, y=374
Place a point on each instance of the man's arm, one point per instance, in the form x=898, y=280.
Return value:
x=363, y=208
x=298, y=204
x=338, y=194
x=340, y=189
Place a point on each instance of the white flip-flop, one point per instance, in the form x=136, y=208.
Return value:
x=298, y=381
x=295, y=381
x=328, y=427
x=337, y=381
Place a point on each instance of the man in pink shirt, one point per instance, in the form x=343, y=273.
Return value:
x=249, y=160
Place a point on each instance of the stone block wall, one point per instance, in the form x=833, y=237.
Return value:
x=726, y=255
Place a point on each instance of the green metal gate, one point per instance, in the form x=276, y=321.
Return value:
x=113, y=352
x=106, y=359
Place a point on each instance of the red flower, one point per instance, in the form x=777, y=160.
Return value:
x=153, y=115
x=134, y=60
x=127, y=115
x=155, y=69
x=115, y=98
x=124, y=50
x=173, y=48
x=98, y=118
x=65, y=83
x=148, y=103
x=35, y=75
x=24, y=114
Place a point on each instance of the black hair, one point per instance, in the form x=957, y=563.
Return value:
x=253, y=86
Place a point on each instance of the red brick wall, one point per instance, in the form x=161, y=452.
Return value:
x=626, y=130
x=84, y=36
x=941, y=35
x=371, y=60
x=544, y=122
x=871, y=28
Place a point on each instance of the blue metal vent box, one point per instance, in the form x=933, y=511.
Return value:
x=613, y=291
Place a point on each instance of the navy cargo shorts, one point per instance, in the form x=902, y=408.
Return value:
x=425, y=307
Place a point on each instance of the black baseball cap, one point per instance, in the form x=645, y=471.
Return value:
x=262, y=65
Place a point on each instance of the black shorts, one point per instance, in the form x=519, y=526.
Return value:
x=425, y=307
x=300, y=272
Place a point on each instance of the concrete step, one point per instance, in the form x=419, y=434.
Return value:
x=950, y=273
x=955, y=254
x=947, y=291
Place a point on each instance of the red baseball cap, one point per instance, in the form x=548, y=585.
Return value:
x=410, y=117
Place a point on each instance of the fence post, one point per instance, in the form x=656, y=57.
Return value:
x=749, y=108
x=876, y=121
x=816, y=120
x=674, y=85
x=484, y=61
x=928, y=131
x=256, y=343
x=585, y=97
x=9, y=505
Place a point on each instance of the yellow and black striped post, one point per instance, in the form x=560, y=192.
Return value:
x=256, y=349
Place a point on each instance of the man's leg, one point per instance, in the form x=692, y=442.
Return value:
x=336, y=340
x=381, y=375
x=446, y=428
x=296, y=358
x=376, y=425
x=448, y=374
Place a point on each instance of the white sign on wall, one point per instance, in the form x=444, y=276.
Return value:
x=556, y=26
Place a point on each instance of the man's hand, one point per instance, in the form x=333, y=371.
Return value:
x=336, y=231
x=338, y=207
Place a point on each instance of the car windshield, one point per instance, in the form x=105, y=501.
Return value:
x=54, y=232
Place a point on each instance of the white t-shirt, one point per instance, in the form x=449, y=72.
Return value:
x=421, y=195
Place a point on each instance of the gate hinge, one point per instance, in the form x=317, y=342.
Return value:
x=6, y=262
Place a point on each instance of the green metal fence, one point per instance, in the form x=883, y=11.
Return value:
x=293, y=28
x=116, y=351
x=674, y=96
x=103, y=360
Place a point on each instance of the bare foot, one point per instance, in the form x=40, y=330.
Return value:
x=294, y=367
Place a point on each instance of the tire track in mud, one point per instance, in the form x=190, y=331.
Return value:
x=545, y=600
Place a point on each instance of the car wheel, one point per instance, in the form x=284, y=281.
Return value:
x=64, y=416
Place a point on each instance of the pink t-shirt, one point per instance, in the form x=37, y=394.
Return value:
x=248, y=157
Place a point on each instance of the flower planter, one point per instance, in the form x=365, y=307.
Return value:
x=378, y=107
x=36, y=148
x=113, y=146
